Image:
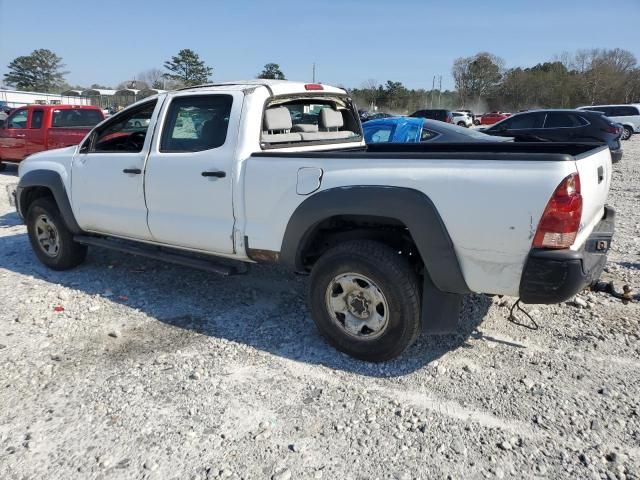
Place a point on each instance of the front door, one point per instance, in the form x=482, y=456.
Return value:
x=189, y=175
x=108, y=175
x=13, y=136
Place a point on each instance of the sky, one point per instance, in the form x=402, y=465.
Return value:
x=351, y=41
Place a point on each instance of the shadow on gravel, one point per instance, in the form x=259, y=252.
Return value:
x=11, y=170
x=10, y=220
x=265, y=309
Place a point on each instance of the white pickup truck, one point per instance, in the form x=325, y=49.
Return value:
x=393, y=235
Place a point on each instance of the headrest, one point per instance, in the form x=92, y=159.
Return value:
x=330, y=118
x=277, y=119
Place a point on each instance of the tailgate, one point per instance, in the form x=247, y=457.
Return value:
x=594, y=168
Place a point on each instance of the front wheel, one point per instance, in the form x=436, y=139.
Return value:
x=365, y=299
x=626, y=133
x=51, y=240
x=462, y=124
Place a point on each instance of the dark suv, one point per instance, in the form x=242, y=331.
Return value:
x=561, y=126
x=438, y=114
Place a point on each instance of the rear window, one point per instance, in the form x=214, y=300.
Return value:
x=289, y=121
x=76, y=118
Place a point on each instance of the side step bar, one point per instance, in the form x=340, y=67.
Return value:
x=158, y=253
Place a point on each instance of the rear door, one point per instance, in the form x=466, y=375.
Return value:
x=35, y=140
x=13, y=136
x=190, y=171
x=563, y=127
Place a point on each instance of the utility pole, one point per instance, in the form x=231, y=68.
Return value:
x=433, y=87
x=440, y=91
x=314, y=73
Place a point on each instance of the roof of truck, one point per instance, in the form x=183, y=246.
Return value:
x=277, y=87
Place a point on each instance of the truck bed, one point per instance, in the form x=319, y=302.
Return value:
x=490, y=197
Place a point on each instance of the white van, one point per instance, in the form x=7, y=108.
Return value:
x=626, y=115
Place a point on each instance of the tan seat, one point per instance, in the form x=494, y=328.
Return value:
x=330, y=122
x=277, y=126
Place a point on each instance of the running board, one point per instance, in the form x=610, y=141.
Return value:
x=157, y=253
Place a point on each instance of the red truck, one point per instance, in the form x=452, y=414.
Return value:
x=35, y=128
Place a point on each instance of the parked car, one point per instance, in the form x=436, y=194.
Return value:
x=382, y=229
x=468, y=112
x=413, y=129
x=561, y=126
x=367, y=116
x=35, y=128
x=434, y=114
x=462, y=119
x=493, y=117
x=626, y=115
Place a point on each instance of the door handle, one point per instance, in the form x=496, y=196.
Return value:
x=135, y=171
x=214, y=173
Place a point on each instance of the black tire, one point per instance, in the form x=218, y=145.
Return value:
x=3, y=166
x=627, y=132
x=462, y=124
x=391, y=275
x=67, y=254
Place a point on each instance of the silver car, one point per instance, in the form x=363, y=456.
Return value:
x=626, y=115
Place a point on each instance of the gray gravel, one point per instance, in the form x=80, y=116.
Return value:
x=130, y=368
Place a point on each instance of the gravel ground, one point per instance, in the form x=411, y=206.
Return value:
x=130, y=368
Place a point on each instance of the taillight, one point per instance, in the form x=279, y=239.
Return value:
x=612, y=129
x=560, y=221
x=313, y=86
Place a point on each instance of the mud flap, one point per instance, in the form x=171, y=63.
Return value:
x=440, y=310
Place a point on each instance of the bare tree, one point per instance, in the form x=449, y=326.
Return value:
x=477, y=76
x=154, y=77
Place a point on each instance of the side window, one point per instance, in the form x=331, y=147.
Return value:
x=125, y=132
x=625, y=111
x=18, y=119
x=427, y=135
x=561, y=120
x=526, y=121
x=36, y=118
x=196, y=123
x=378, y=135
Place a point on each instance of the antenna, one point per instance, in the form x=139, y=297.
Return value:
x=314, y=73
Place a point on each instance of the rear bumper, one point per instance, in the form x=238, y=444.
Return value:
x=616, y=155
x=553, y=276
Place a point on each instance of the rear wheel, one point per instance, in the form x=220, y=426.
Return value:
x=51, y=240
x=364, y=298
x=626, y=133
x=462, y=124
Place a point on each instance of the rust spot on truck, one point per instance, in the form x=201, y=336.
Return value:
x=263, y=256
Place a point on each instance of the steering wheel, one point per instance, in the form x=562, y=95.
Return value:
x=135, y=141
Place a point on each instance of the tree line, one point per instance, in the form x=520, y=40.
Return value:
x=43, y=71
x=482, y=81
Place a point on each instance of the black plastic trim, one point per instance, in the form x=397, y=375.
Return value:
x=411, y=207
x=505, y=151
x=554, y=276
x=51, y=180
